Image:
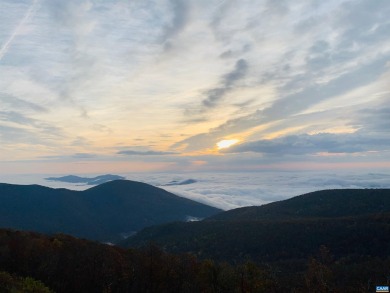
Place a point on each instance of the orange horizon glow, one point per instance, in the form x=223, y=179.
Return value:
x=93, y=167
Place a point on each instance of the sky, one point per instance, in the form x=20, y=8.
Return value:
x=121, y=86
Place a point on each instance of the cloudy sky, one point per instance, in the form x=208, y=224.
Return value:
x=202, y=85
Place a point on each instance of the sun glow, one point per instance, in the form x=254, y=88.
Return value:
x=223, y=144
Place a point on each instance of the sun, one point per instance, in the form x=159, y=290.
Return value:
x=223, y=144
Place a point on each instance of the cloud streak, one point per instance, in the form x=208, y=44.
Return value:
x=180, y=11
x=30, y=13
x=215, y=95
x=305, y=144
x=18, y=103
x=145, y=153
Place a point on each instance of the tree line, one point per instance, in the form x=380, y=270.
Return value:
x=61, y=263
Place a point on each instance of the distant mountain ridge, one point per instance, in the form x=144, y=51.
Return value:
x=101, y=213
x=88, y=181
x=182, y=182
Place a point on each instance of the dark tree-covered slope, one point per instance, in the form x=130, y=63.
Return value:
x=265, y=241
x=102, y=212
x=67, y=264
x=349, y=222
x=318, y=204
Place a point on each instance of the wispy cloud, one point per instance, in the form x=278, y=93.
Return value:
x=305, y=144
x=144, y=153
x=17, y=103
x=180, y=11
x=30, y=13
x=72, y=157
x=216, y=94
x=15, y=117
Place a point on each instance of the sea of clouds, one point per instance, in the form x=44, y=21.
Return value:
x=233, y=190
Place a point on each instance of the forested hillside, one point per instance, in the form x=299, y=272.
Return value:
x=354, y=225
x=318, y=204
x=100, y=213
x=67, y=264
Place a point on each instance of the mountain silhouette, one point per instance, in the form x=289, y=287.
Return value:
x=103, y=212
x=86, y=180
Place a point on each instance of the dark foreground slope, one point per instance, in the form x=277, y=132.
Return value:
x=102, y=212
x=351, y=223
x=66, y=264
